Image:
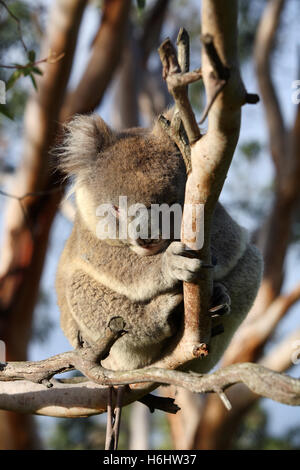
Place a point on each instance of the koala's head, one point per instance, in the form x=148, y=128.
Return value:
x=145, y=167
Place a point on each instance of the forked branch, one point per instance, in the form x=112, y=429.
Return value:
x=69, y=398
x=210, y=155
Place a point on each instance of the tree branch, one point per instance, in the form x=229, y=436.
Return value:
x=263, y=47
x=27, y=223
x=177, y=83
x=255, y=332
x=106, y=53
x=213, y=434
x=18, y=22
x=280, y=358
x=274, y=235
x=150, y=36
x=210, y=155
x=70, y=398
x=27, y=227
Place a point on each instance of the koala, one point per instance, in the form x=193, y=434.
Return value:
x=140, y=278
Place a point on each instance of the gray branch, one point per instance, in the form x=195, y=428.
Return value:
x=81, y=397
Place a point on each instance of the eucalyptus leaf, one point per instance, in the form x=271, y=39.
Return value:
x=4, y=110
x=31, y=56
x=33, y=81
x=37, y=70
x=141, y=4
x=13, y=78
x=27, y=71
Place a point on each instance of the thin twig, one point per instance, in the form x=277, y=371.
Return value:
x=177, y=83
x=20, y=199
x=109, y=420
x=118, y=412
x=219, y=87
x=218, y=78
x=183, y=47
x=225, y=400
x=51, y=59
x=222, y=72
x=174, y=134
x=30, y=194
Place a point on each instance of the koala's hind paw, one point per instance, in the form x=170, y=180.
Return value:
x=220, y=302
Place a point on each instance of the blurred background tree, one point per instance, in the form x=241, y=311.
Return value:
x=107, y=62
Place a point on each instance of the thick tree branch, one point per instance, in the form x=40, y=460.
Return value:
x=149, y=39
x=213, y=433
x=25, y=240
x=106, y=53
x=264, y=42
x=127, y=85
x=247, y=344
x=26, y=236
x=284, y=146
x=273, y=240
x=274, y=235
x=210, y=155
x=70, y=399
x=139, y=88
x=280, y=358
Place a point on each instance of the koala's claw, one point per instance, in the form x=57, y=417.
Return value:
x=220, y=304
x=80, y=340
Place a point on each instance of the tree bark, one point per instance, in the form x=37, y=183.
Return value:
x=28, y=222
x=26, y=238
x=273, y=239
x=105, y=58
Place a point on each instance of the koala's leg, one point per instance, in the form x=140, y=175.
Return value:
x=242, y=284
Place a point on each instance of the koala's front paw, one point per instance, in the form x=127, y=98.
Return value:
x=220, y=302
x=179, y=263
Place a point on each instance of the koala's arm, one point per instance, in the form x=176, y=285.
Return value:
x=141, y=278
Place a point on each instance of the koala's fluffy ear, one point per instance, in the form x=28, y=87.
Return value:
x=85, y=137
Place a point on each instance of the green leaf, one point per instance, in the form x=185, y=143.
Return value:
x=31, y=56
x=33, y=81
x=4, y=110
x=13, y=78
x=141, y=4
x=37, y=70
x=251, y=149
x=27, y=71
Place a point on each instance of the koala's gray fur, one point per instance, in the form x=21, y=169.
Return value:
x=101, y=279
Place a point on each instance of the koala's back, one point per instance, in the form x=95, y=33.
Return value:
x=228, y=242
